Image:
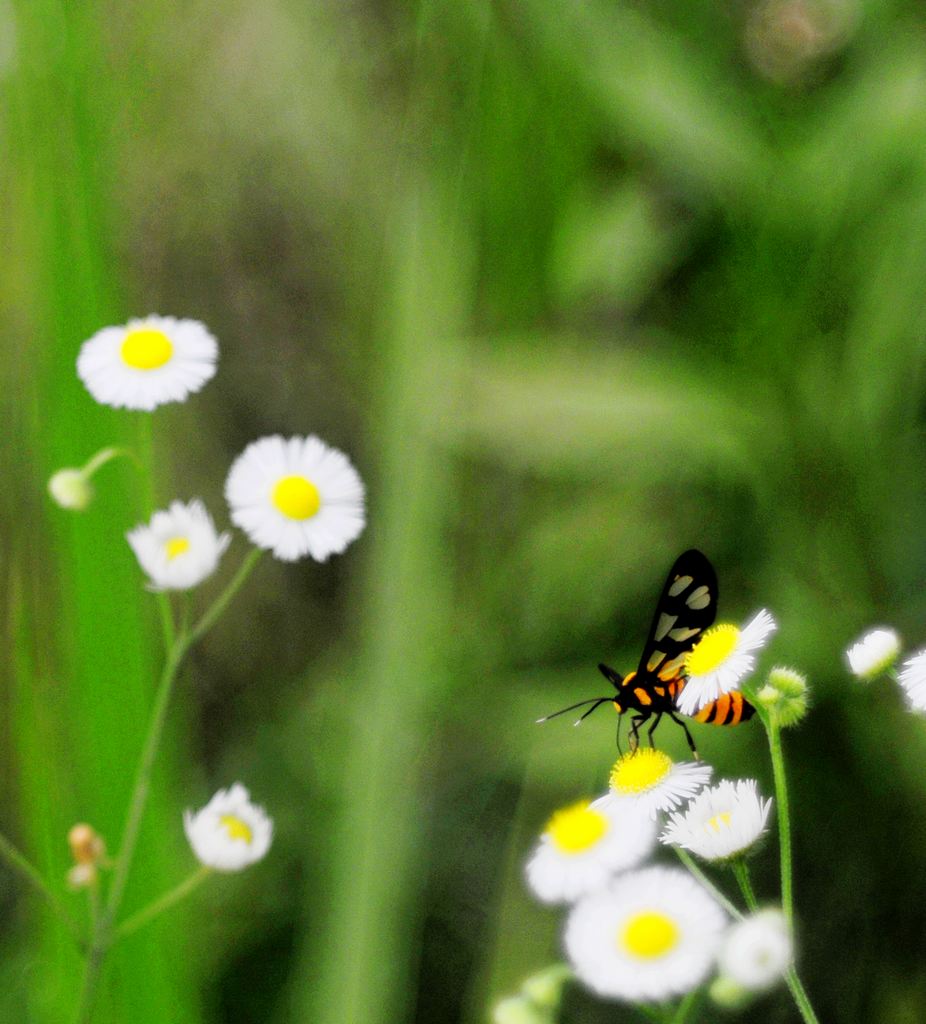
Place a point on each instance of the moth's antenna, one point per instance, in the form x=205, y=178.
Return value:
x=601, y=700
x=562, y=711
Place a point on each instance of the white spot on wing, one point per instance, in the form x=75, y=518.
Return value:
x=672, y=667
x=699, y=598
x=681, y=633
x=654, y=661
x=679, y=585
x=666, y=622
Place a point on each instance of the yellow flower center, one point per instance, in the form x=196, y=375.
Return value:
x=176, y=546
x=639, y=771
x=577, y=828
x=296, y=497
x=146, y=348
x=712, y=650
x=718, y=821
x=236, y=828
x=649, y=934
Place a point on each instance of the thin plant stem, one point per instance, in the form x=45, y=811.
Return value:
x=107, y=455
x=165, y=902
x=103, y=934
x=88, y=985
x=784, y=817
x=222, y=601
x=800, y=997
x=684, y=1008
x=25, y=868
x=143, y=778
x=699, y=875
x=798, y=993
x=741, y=871
x=146, y=447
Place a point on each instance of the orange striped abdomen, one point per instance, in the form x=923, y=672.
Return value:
x=729, y=709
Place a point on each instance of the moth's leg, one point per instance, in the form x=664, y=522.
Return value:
x=691, y=742
x=640, y=719
x=652, y=728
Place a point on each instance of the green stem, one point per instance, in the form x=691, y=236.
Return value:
x=105, y=455
x=88, y=985
x=684, y=1008
x=146, y=447
x=741, y=871
x=784, y=818
x=792, y=980
x=22, y=866
x=699, y=875
x=221, y=602
x=103, y=935
x=143, y=778
x=165, y=902
x=800, y=997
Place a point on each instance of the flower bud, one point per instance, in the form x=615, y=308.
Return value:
x=519, y=1010
x=784, y=696
x=70, y=489
x=545, y=988
x=725, y=993
x=89, y=853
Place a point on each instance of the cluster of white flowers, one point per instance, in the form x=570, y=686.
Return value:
x=295, y=497
x=640, y=932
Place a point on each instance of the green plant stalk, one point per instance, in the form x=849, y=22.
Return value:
x=800, y=997
x=798, y=993
x=23, y=867
x=146, y=447
x=741, y=873
x=165, y=902
x=103, y=935
x=685, y=857
x=105, y=455
x=784, y=817
x=684, y=1008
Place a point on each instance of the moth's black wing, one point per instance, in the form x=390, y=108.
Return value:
x=687, y=606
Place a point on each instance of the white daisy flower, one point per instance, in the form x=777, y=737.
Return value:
x=757, y=951
x=721, y=822
x=721, y=659
x=296, y=497
x=912, y=677
x=179, y=548
x=652, y=781
x=585, y=844
x=147, y=362
x=873, y=653
x=230, y=832
x=649, y=935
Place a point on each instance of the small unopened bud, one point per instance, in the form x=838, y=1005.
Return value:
x=519, y=1010
x=545, y=988
x=726, y=993
x=71, y=489
x=784, y=696
x=87, y=846
x=788, y=682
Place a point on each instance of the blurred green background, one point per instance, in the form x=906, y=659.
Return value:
x=577, y=286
